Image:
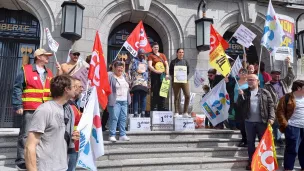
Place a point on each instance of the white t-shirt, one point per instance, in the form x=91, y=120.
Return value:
x=41, y=72
x=297, y=118
x=122, y=88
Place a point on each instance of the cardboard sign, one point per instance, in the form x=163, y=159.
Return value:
x=140, y=124
x=281, y=53
x=52, y=43
x=184, y=124
x=162, y=117
x=164, y=89
x=180, y=74
x=198, y=79
x=244, y=36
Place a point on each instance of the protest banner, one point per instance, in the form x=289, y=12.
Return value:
x=286, y=48
x=244, y=36
x=164, y=89
x=81, y=72
x=180, y=74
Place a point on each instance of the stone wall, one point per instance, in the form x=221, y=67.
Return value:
x=173, y=20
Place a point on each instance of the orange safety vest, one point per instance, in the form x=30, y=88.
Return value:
x=35, y=93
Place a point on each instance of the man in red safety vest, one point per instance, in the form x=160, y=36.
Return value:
x=31, y=88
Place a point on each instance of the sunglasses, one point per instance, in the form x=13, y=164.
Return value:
x=251, y=79
x=76, y=54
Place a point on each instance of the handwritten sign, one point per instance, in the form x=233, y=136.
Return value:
x=180, y=74
x=244, y=36
x=81, y=72
x=140, y=124
x=164, y=89
x=51, y=42
x=184, y=124
x=198, y=79
x=162, y=117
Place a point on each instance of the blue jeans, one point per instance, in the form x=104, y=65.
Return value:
x=252, y=130
x=139, y=97
x=73, y=156
x=294, y=138
x=276, y=132
x=118, y=116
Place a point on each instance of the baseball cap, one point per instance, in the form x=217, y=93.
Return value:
x=74, y=51
x=40, y=51
x=275, y=71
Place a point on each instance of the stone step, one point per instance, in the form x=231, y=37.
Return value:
x=172, y=143
x=9, y=134
x=199, y=133
x=173, y=163
x=6, y=147
x=141, y=153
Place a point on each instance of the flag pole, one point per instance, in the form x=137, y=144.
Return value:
x=245, y=57
x=260, y=60
x=238, y=86
x=55, y=57
x=118, y=53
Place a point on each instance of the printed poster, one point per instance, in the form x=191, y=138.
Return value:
x=164, y=89
x=180, y=74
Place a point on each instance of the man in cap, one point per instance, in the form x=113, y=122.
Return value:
x=31, y=89
x=278, y=88
x=70, y=65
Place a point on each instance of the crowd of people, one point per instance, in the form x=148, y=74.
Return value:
x=50, y=106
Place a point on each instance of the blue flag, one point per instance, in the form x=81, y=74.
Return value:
x=273, y=31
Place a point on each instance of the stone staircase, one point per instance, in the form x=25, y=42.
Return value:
x=203, y=149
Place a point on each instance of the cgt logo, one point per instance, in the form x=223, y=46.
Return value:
x=266, y=154
x=142, y=39
x=95, y=64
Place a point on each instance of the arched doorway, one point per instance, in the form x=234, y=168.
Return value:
x=120, y=34
x=117, y=38
x=19, y=38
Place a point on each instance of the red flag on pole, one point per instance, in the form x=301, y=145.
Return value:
x=264, y=157
x=98, y=73
x=137, y=39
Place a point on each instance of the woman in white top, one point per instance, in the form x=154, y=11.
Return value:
x=118, y=102
x=290, y=114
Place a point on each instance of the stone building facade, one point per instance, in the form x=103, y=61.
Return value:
x=172, y=20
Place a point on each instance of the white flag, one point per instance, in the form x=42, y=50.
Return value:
x=51, y=42
x=216, y=104
x=273, y=31
x=236, y=67
x=91, y=140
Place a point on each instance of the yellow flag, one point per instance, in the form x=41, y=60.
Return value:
x=218, y=58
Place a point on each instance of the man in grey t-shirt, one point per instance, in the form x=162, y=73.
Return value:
x=257, y=106
x=46, y=146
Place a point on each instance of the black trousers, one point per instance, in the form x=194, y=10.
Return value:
x=158, y=102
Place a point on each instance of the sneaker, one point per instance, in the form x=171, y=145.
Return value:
x=176, y=115
x=242, y=144
x=135, y=116
x=142, y=115
x=186, y=115
x=112, y=139
x=124, y=138
x=21, y=166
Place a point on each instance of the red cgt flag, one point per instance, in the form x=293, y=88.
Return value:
x=137, y=39
x=216, y=40
x=264, y=157
x=98, y=73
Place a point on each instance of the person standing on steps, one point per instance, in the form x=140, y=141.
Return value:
x=138, y=70
x=69, y=67
x=290, y=116
x=258, y=109
x=31, y=89
x=51, y=129
x=73, y=152
x=177, y=87
x=239, y=117
x=159, y=69
x=118, y=102
x=278, y=88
